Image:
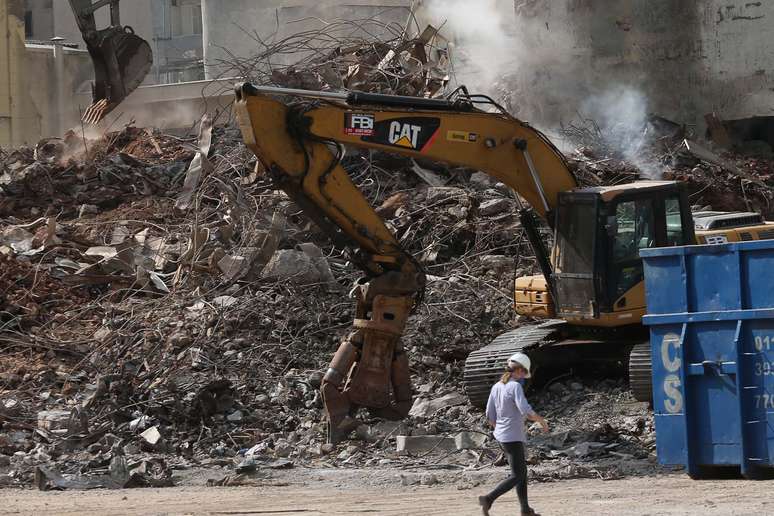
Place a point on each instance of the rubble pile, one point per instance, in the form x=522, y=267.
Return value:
x=146, y=330
x=722, y=178
x=365, y=55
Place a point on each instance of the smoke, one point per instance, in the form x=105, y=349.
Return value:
x=621, y=115
x=483, y=49
x=536, y=70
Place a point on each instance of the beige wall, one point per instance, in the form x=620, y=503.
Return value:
x=50, y=85
x=11, y=71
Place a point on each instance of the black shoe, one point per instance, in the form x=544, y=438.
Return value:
x=485, y=504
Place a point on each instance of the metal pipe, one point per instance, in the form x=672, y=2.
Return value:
x=536, y=179
x=273, y=90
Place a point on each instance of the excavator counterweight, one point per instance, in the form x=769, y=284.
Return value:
x=121, y=58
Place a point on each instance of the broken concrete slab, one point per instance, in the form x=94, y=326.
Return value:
x=707, y=155
x=152, y=437
x=53, y=420
x=424, y=407
x=301, y=267
x=470, y=440
x=424, y=443
x=494, y=207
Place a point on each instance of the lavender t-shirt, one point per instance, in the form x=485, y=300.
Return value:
x=508, y=407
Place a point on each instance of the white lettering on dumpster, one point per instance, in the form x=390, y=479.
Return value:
x=670, y=364
x=673, y=402
x=674, y=398
x=762, y=343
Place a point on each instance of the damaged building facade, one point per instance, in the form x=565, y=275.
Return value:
x=687, y=58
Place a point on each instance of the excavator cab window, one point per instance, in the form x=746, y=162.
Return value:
x=674, y=221
x=576, y=231
x=635, y=229
x=654, y=218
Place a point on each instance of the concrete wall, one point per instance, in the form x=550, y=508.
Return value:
x=688, y=58
x=41, y=18
x=229, y=23
x=53, y=73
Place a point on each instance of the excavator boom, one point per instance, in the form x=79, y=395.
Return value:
x=299, y=144
x=121, y=58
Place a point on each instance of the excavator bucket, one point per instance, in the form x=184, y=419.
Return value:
x=121, y=58
x=121, y=61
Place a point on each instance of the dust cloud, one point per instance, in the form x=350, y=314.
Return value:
x=621, y=114
x=505, y=52
x=483, y=49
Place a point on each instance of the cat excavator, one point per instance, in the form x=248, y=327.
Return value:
x=591, y=291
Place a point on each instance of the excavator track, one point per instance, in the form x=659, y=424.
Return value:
x=485, y=366
x=640, y=370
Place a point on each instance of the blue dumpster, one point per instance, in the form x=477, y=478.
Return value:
x=711, y=319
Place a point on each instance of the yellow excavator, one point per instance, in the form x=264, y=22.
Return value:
x=591, y=289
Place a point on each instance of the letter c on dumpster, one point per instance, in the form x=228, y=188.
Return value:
x=670, y=364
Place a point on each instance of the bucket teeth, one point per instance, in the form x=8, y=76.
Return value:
x=96, y=112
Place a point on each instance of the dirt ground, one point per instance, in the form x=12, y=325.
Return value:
x=668, y=494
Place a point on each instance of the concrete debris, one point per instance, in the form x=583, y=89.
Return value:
x=424, y=444
x=152, y=436
x=426, y=407
x=470, y=440
x=298, y=267
x=494, y=207
x=53, y=420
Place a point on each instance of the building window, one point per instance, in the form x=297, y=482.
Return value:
x=186, y=17
x=27, y=24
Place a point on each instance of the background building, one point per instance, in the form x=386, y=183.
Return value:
x=234, y=27
x=552, y=59
x=172, y=27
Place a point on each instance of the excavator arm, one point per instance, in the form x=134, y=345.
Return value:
x=299, y=144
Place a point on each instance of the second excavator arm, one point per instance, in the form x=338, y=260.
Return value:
x=299, y=144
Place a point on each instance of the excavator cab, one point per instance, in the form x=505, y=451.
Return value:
x=599, y=233
x=121, y=58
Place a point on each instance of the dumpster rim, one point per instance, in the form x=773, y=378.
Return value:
x=706, y=248
x=720, y=315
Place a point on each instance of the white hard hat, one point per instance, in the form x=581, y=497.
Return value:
x=522, y=360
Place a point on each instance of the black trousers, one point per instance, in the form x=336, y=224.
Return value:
x=515, y=453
